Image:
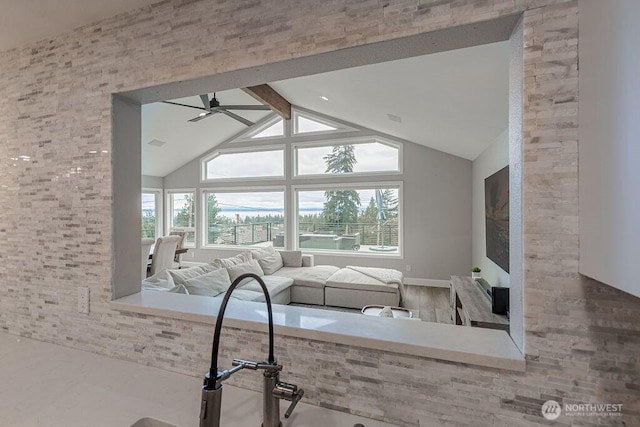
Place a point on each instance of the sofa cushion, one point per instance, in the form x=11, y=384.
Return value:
x=274, y=284
x=238, y=270
x=291, y=258
x=234, y=260
x=181, y=275
x=314, y=277
x=271, y=263
x=346, y=278
x=209, y=284
x=262, y=252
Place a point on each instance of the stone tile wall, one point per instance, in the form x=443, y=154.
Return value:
x=582, y=338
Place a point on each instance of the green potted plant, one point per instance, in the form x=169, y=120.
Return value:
x=475, y=272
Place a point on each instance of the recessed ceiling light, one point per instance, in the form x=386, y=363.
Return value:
x=324, y=98
x=156, y=143
x=394, y=118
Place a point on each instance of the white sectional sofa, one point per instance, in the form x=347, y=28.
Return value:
x=290, y=276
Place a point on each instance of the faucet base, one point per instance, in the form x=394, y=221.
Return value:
x=210, y=407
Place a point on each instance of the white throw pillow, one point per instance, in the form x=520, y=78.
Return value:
x=236, y=271
x=182, y=275
x=180, y=289
x=291, y=258
x=209, y=284
x=270, y=264
x=260, y=253
x=242, y=258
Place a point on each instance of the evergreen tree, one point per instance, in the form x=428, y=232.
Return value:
x=186, y=216
x=341, y=207
x=370, y=214
x=212, y=217
x=390, y=201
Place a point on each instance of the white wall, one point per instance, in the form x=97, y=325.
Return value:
x=491, y=160
x=149, y=181
x=610, y=142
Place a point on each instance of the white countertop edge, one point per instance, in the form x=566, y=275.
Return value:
x=460, y=344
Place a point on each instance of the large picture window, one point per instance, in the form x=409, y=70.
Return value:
x=347, y=158
x=244, y=218
x=347, y=218
x=182, y=215
x=248, y=164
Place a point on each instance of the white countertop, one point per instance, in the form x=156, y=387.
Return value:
x=477, y=346
x=48, y=385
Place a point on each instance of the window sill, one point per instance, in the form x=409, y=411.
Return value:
x=474, y=346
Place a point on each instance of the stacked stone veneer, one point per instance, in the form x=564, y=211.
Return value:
x=582, y=338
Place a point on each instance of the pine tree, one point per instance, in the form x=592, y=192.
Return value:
x=186, y=216
x=212, y=217
x=341, y=207
x=370, y=214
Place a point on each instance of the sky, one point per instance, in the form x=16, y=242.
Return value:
x=370, y=157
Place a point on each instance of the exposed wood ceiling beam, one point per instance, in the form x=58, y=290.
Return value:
x=265, y=94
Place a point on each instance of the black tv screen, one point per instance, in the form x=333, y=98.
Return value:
x=496, y=208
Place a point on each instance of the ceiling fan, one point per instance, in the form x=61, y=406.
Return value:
x=212, y=106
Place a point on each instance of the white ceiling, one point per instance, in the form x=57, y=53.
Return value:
x=26, y=21
x=455, y=101
x=187, y=140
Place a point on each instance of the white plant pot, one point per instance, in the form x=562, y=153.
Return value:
x=475, y=275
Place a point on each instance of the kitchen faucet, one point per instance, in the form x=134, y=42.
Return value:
x=273, y=390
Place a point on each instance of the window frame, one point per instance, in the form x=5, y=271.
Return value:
x=295, y=189
x=159, y=208
x=345, y=141
x=243, y=189
x=253, y=149
x=169, y=216
x=339, y=127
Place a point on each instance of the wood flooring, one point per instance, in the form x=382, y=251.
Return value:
x=428, y=303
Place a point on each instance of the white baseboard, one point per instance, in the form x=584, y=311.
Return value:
x=434, y=283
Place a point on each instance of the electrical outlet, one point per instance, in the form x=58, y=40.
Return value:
x=408, y=267
x=83, y=299
x=193, y=254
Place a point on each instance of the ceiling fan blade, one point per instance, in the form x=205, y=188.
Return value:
x=205, y=101
x=204, y=116
x=237, y=117
x=184, y=105
x=246, y=107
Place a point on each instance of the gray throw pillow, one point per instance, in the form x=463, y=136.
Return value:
x=209, y=284
x=260, y=253
x=234, y=260
x=291, y=258
x=236, y=271
x=270, y=264
x=182, y=275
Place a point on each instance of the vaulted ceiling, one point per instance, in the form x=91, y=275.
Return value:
x=455, y=101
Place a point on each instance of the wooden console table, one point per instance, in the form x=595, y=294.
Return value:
x=470, y=307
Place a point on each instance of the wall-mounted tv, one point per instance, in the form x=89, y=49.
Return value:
x=496, y=208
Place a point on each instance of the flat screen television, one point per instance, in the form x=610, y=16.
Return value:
x=496, y=209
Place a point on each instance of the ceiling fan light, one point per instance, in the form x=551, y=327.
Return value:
x=202, y=114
